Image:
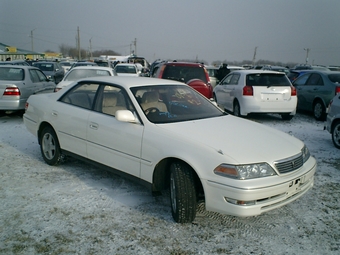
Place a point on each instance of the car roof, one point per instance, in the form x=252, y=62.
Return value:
x=126, y=64
x=128, y=82
x=92, y=68
x=184, y=64
x=44, y=62
x=20, y=66
x=254, y=71
x=321, y=71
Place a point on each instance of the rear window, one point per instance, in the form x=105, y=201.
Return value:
x=11, y=74
x=44, y=67
x=184, y=73
x=334, y=78
x=77, y=74
x=126, y=69
x=260, y=79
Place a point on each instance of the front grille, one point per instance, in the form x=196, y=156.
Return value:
x=290, y=164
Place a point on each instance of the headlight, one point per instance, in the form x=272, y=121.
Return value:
x=305, y=153
x=244, y=172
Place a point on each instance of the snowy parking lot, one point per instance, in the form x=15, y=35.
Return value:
x=75, y=208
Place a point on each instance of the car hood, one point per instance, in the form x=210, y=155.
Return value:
x=242, y=140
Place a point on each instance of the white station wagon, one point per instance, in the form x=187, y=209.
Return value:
x=159, y=132
x=257, y=91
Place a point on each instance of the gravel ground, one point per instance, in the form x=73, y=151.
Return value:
x=77, y=209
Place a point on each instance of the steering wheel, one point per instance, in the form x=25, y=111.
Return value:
x=151, y=110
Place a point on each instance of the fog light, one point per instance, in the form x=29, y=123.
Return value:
x=239, y=202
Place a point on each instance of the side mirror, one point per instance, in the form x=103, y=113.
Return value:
x=126, y=116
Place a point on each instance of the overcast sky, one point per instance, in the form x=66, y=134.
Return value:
x=225, y=30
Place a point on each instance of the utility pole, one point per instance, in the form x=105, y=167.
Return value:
x=135, y=43
x=254, y=57
x=91, y=48
x=32, y=38
x=307, y=53
x=78, y=44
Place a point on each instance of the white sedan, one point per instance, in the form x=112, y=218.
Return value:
x=256, y=91
x=80, y=72
x=159, y=132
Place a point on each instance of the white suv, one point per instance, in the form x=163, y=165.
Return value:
x=333, y=120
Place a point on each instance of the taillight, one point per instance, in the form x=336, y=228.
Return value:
x=26, y=106
x=292, y=91
x=337, y=90
x=248, y=91
x=12, y=91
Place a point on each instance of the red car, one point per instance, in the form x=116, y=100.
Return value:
x=193, y=74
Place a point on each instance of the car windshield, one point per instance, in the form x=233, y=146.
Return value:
x=267, y=79
x=11, y=74
x=174, y=103
x=184, y=73
x=334, y=78
x=77, y=74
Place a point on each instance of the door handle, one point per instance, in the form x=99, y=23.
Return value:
x=94, y=126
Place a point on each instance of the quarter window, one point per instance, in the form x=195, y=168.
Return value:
x=82, y=95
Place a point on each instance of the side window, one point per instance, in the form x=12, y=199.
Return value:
x=112, y=99
x=41, y=75
x=226, y=80
x=82, y=95
x=315, y=79
x=302, y=80
x=34, y=76
x=235, y=78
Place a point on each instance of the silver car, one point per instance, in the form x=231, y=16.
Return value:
x=333, y=120
x=17, y=83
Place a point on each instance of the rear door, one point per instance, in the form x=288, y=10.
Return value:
x=305, y=90
x=71, y=117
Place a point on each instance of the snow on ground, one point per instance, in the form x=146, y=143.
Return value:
x=75, y=208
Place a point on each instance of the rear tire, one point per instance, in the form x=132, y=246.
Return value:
x=183, y=196
x=49, y=146
x=336, y=134
x=319, y=111
x=237, y=110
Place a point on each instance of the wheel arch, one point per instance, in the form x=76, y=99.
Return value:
x=161, y=175
x=319, y=99
x=42, y=126
x=334, y=123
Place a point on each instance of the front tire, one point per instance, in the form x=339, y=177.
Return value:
x=336, y=134
x=183, y=196
x=49, y=146
x=286, y=116
x=319, y=111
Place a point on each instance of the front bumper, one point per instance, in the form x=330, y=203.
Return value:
x=245, y=202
